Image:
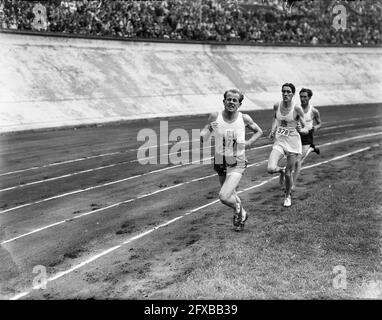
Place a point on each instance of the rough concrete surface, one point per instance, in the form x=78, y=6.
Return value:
x=49, y=81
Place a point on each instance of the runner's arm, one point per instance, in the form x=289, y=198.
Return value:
x=251, y=125
x=317, y=118
x=208, y=128
x=274, y=123
x=300, y=114
x=301, y=129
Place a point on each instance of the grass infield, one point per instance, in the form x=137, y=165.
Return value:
x=326, y=246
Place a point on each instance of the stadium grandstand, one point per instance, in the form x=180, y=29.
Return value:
x=244, y=21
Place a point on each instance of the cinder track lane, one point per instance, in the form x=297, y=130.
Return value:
x=56, y=246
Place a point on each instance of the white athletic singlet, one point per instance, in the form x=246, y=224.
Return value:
x=230, y=139
x=308, y=117
x=287, y=138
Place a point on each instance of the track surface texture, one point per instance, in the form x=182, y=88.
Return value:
x=76, y=202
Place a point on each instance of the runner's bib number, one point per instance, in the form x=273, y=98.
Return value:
x=283, y=131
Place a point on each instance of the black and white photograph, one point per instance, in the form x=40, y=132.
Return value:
x=206, y=151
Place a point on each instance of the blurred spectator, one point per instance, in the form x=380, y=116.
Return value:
x=263, y=21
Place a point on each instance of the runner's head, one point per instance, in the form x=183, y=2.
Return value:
x=305, y=95
x=232, y=100
x=241, y=96
x=287, y=91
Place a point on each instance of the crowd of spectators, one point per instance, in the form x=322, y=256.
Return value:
x=256, y=21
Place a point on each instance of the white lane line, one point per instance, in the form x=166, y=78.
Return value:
x=123, y=163
x=331, y=134
x=337, y=127
x=131, y=161
x=356, y=119
x=94, y=157
x=165, y=189
x=155, y=171
x=69, y=193
x=101, y=168
x=63, y=273
x=341, y=156
x=136, y=160
x=112, y=183
x=61, y=163
x=116, y=205
x=94, y=169
x=349, y=139
x=159, y=170
x=79, y=159
x=63, y=176
x=342, y=126
x=133, y=150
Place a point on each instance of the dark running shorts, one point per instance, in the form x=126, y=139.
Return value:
x=221, y=169
x=307, y=138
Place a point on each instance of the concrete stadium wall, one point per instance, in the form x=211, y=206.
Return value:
x=51, y=81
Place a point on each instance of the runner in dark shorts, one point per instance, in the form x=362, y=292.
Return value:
x=312, y=124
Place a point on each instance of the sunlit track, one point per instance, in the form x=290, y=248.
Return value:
x=121, y=163
x=356, y=119
x=92, y=170
x=74, y=160
x=119, y=204
x=147, y=232
x=20, y=186
x=70, y=234
x=166, y=189
x=58, y=163
x=112, y=183
x=133, y=177
x=342, y=126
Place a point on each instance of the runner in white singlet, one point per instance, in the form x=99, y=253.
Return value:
x=287, y=141
x=228, y=127
x=312, y=124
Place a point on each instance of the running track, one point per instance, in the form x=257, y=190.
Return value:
x=69, y=195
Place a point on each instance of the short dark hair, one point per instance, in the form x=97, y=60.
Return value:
x=241, y=96
x=308, y=91
x=290, y=85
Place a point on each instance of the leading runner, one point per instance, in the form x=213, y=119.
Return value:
x=228, y=127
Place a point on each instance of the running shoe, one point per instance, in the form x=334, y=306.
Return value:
x=244, y=218
x=244, y=215
x=287, y=201
x=316, y=150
